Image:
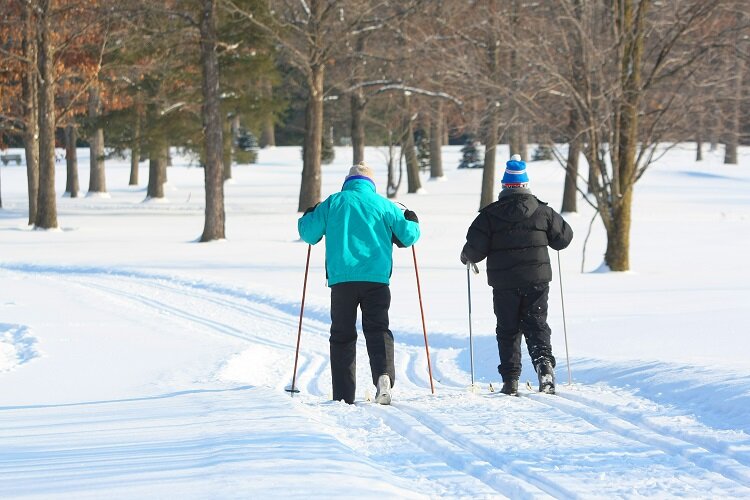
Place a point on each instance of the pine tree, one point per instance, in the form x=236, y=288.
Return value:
x=542, y=152
x=247, y=147
x=470, y=155
x=422, y=141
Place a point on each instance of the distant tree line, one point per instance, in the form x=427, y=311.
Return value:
x=607, y=79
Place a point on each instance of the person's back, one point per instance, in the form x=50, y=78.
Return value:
x=359, y=226
x=513, y=234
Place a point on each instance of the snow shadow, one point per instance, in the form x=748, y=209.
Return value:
x=719, y=399
x=17, y=346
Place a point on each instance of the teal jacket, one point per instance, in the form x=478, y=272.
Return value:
x=358, y=225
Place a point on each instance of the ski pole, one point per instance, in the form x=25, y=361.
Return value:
x=424, y=327
x=299, y=331
x=565, y=328
x=470, y=266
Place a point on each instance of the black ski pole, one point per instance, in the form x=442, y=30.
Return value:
x=565, y=328
x=471, y=266
x=424, y=327
x=299, y=331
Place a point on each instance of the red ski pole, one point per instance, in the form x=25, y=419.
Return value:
x=299, y=331
x=424, y=327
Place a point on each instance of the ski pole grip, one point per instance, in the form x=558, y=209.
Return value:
x=472, y=266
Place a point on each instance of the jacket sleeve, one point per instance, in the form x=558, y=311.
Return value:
x=312, y=225
x=406, y=231
x=559, y=234
x=478, y=239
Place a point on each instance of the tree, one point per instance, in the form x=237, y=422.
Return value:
x=312, y=34
x=625, y=89
x=212, y=128
x=46, y=216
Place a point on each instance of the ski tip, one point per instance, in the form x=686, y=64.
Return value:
x=474, y=389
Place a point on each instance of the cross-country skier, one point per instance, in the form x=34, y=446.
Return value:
x=360, y=227
x=513, y=233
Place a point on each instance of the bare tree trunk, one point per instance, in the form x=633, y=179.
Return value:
x=309, y=194
x=212, y=126
x=157, y=167
x=410, y=154
x=518, y=141
x=714, y=129
x=46, y=216
x=617, y=255
x=357, y=106
x=135, y=150
x=436, y=141
x=490, y=153
x=97, y=181
x=592, y=178
x=492, y=124
x=71, y=160
x=733, y=133
x=524, y=141
x=226, y=154
x=699, y=138
x=29, y=45
x=267, y=133
x=570, y=194
x=358, y=128
x=631, y=22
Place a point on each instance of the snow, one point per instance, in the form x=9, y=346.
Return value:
x=138, y=363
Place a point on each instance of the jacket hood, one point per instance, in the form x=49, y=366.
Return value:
x=513, y=207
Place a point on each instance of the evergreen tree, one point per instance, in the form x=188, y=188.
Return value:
x=422, y=141
x=542, y=152
x=247, y=147
x=470, y=155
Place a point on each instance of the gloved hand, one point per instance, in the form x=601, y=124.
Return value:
x=397, y=242
x=310, y=209
x=464, y=258
x=409, y=215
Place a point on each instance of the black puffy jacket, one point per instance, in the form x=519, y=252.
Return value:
x=513, y=233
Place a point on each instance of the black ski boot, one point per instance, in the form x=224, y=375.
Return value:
x=510, y=388
x=546, y=377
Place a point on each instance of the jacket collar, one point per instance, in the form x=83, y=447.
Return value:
x=357, y=183
x=510, y=192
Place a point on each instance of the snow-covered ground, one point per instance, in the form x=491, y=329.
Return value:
x=137, y=363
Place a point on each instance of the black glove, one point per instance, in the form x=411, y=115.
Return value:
x=464, y=258
x=310, y=209
x=409, y=215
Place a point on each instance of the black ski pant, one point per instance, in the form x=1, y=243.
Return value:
x=375, y=300
x=522, y=312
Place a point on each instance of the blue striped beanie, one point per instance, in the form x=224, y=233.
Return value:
x=515, y=173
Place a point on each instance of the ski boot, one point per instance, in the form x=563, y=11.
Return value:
x=383, y=396
x=510, y=387
x=546, y=377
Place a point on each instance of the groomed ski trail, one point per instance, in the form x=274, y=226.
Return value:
x=514, y=447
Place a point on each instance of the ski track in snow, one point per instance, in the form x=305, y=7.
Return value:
x=514, y=447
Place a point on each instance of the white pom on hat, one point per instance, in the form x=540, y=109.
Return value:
x=516, y=157
x=362, y=169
